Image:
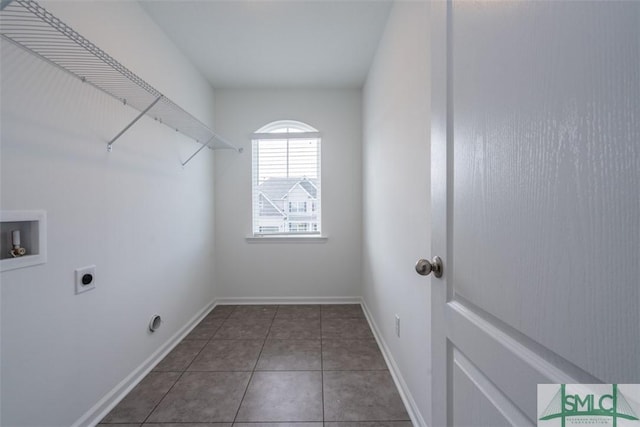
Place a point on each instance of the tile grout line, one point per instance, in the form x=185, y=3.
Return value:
x=181, y=373
x=208, y=341
x=255, y=365
x=340, y=316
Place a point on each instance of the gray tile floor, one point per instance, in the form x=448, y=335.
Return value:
x=269, y=365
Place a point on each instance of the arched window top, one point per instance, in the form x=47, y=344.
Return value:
x=286, y=126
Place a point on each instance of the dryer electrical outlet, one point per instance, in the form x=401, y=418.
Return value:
x=85, y=279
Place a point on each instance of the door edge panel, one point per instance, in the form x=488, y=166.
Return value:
x=507, y=362
x=493, y=394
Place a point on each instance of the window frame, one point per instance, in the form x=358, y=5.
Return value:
x=288, y=130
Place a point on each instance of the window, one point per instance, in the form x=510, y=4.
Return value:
x=286, y=179
x=298, y=227
x=297, y=207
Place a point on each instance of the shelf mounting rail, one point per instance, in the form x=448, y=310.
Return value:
x=31, y=27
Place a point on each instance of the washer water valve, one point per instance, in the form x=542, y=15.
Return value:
x=17, y=250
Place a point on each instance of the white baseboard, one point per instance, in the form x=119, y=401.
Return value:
x=288, y=300
x=403, y=389
x=112, y=398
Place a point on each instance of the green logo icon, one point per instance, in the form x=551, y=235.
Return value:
x=564, y=405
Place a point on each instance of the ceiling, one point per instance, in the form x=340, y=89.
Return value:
x=275, y=43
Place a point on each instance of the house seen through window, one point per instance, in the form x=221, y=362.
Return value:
x=286, y=179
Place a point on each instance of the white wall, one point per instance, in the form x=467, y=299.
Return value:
x=280, y=270
x=396, y=187
x=145, y=222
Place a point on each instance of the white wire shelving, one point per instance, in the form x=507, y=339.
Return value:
x=31, y=27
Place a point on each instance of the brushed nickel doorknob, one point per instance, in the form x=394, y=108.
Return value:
x=424, y=267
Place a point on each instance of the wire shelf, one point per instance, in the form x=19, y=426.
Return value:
x=30, y=26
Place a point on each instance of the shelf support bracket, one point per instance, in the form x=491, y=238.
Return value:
x=206, y=144
x=4, y=3
x=109, y=148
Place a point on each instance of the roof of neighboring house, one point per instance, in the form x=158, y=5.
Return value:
x=277, y=188
x=269, y=208
x=310, y=187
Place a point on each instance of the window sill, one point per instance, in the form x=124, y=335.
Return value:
x=286, y=239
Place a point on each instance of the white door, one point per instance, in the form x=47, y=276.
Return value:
x=536, y=203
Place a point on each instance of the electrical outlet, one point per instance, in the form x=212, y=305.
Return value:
x=85, y=279
x=397, y=326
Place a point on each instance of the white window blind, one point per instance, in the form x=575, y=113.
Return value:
x=286, y=179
